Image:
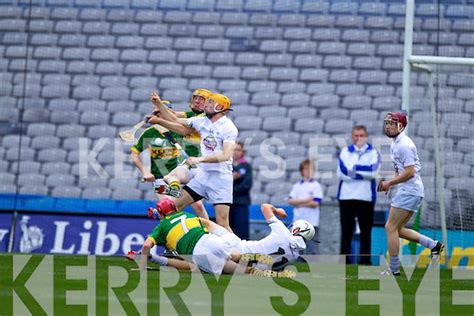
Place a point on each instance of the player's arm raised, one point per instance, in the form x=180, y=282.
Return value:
x=164, y=112
x=179, y=127
x=269, y=211
x=180, y=114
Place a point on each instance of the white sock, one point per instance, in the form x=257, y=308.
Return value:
x=159, y=182
x=427, y=242
x=162, y=261
x=394, y=264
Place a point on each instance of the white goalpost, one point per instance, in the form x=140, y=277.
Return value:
x=428, y=64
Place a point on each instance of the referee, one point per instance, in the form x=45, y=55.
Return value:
x=358, y=166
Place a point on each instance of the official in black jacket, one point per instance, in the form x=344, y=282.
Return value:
x=239, y=211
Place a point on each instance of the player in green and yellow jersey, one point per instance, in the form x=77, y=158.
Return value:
x=164, y=156
x=186, y=234
x=178, y=231
x=190, y=143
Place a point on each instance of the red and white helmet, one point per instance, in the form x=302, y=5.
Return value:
x=400, y=118
x=166, y=207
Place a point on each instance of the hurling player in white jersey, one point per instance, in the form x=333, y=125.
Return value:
x=282, y=243
x=210, y=253
x=409, y=190
x=212, y=179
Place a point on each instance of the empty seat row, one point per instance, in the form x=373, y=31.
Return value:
x=202, y=11
x=275, y=192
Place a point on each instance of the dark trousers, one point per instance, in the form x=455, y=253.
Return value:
x=239, y=220
x=364, y=211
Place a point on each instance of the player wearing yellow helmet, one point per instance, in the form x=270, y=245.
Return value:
x=196, y=103
x=190, y=143
x=216, y=104
x=212, y=179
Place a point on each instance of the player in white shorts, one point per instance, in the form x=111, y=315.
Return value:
x=212, y=179
x=282, y=243
x=164, y=156
x=185, y=234
x=406, y=189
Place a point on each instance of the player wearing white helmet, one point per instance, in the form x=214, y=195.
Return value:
x=408, y=190
x=284, y=244
x=186, y=234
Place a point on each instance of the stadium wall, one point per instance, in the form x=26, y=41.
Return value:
x=130, y=214
x=43, y=224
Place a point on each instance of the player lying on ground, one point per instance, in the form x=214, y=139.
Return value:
x=164, y=157
x=409, y=191
x=282, y=243
x=184, y=233
x=212, y=179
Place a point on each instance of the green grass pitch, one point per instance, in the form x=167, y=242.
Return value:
x=108, y=287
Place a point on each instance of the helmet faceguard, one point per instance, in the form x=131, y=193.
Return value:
x=203, y=93
x=394, y=123
x=221, y=104
x=303, y=228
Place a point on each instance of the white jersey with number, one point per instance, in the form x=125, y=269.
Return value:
x=403, y=154
x=213, y=136
x=280, y=243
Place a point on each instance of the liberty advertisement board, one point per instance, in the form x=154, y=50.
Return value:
x=81, y=235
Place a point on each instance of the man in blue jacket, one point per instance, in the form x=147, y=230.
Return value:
x=239, y=211
x=358, y=166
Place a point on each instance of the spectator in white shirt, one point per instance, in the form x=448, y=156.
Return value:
x=306, y=197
